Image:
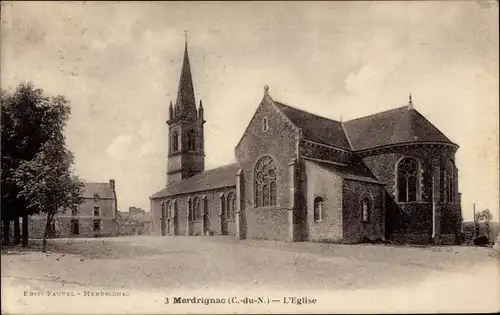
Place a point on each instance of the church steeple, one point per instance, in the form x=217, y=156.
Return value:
x=186, y=103
x=186, y=155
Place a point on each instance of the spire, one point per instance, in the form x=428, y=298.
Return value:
x=186, y=103
x=410, y=103
x=170, y=111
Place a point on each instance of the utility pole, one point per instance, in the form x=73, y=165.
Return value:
x=433, y=209
x=474, y=211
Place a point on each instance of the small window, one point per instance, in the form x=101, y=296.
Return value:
x=74, y=212
x=365, y=209
x=318, y=209
x=264, y=124
x=97, y=225
x=96, y=211
x=96, y=198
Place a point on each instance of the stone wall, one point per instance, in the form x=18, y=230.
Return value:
x=412, y=222
x=63, y=227
x=328, y=186
x=213, y=214
x=84, y=217
x=279, y=142
x=354, y=228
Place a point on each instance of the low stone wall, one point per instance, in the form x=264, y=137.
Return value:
x=410, y=238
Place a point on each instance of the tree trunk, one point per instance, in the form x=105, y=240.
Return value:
x=45, y=233
x=17, y=232
x=487, y=229
x=25, y=231
x=6, y=231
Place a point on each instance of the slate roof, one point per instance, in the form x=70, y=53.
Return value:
x=352, y=172
x=224, y=176
x=316, y=128
x=186, y=103
x=102, y=189
x=395, y=126
x=399, y=125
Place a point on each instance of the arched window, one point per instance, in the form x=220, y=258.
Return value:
x=96, y=197
x=97, y=211
x=168, y=209
x=190, y=213
x=163, y=217
x=171, y=212
x=449, y=181
x=175, y=141
x=231, y=205
x=191, y=140
x=365, y=209
x=196, y=209
x=407, y=180
x=318, y=209
x=164, y=209
x=265, y=182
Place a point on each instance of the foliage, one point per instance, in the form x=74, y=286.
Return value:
x=29, y=120
x=36, y=165
x=486, y=217
x=47, y=182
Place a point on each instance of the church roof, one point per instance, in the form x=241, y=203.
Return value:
x=396, y=126
x=351, y=172
x=316, y=128
x=101, y=189
x=186, y=103
x=224, y=176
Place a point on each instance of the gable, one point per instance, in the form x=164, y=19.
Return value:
x=266, y=109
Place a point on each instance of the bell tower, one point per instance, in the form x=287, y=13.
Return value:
x=186, y=155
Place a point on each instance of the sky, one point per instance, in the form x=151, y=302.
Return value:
x=119, y=64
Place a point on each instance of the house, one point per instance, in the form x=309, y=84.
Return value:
x=390, y=176
x=134, y=222
x=95, y=217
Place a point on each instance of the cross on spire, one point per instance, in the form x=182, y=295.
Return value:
x=185, y=38
x=410, y=102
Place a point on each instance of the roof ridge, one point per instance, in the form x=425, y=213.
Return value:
x=305, y=111
x=347, y=135
x=380, y=113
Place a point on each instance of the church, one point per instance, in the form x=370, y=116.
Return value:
x=386, y=177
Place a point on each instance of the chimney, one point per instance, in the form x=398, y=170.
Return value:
x=112, y=184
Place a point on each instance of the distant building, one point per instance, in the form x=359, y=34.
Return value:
x=95, y=217
x=390, y=176
x=134, y=222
